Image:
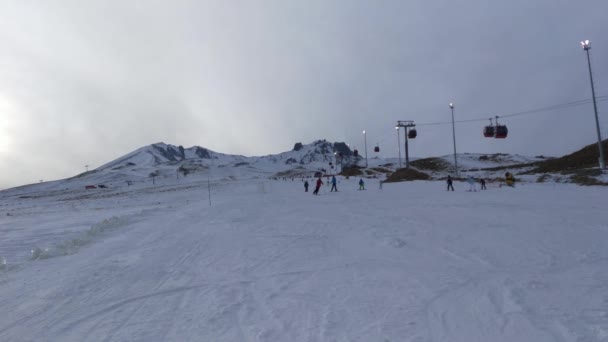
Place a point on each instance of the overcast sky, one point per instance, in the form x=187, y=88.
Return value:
x=85, y=82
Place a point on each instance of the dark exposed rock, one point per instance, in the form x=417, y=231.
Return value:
x=182, y=152
x=170, y=152
x=203, y=153
x=341, y=147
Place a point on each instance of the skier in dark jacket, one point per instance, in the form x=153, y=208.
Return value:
x=483, y=184
x=319, y=183
x=306, y=186
x=333, y=184
x=361, y=184
x=449, y=181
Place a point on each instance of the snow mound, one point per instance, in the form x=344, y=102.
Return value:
x=395, y=242
x=71, y=246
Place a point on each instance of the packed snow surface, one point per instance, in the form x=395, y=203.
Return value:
x=262, y=260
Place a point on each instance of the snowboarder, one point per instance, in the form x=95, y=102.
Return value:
x=483, y=184
x=471, y=181
x=319, y=183
x=361, y=184
x=449, y=181
x=305, y=186
x=333, y=184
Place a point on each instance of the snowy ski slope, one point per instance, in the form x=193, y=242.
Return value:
x=268, y=262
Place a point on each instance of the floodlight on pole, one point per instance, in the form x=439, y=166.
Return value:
x=586, y=45
x=454, y=138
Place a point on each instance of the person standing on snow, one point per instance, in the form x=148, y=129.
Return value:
x=509, y=179
x=319, y=183
x=361, y=184
x=306, y=186
x=471, y=182
x=449, y=181
x=333, y=184
x=483, y=184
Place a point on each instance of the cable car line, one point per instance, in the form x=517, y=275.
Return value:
x=493, y=130
x=532, y=111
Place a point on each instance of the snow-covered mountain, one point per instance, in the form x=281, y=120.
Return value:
x=161, y=154
x=170, y=161
x=162, y=163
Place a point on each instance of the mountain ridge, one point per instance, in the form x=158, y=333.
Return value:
x=161, y=153
x=161, y=162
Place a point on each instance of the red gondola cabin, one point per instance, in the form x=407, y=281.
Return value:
x=501, y=132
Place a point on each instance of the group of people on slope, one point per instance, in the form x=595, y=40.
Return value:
x=470, y=180
x=509, y=180
x=334, y=186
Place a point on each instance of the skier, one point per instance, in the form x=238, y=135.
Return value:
x=333, y=184
x=361, y=184
x=483, y=184
x=449, y=181
x=509, y=179
x=319, y=183
x=305, y=186
x=471, y=181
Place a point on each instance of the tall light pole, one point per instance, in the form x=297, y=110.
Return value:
x=336, y=156
x=407, y=149
x=454, y=138
x=365, y=140
x=586, y=46
x=399, y=145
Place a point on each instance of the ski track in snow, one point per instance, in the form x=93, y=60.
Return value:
x=268, y=262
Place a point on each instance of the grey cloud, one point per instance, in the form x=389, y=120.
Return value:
x=97, y=79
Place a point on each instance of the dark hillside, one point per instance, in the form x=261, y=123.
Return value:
x=431, y=164
x=407, y=175
x=587, y=157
